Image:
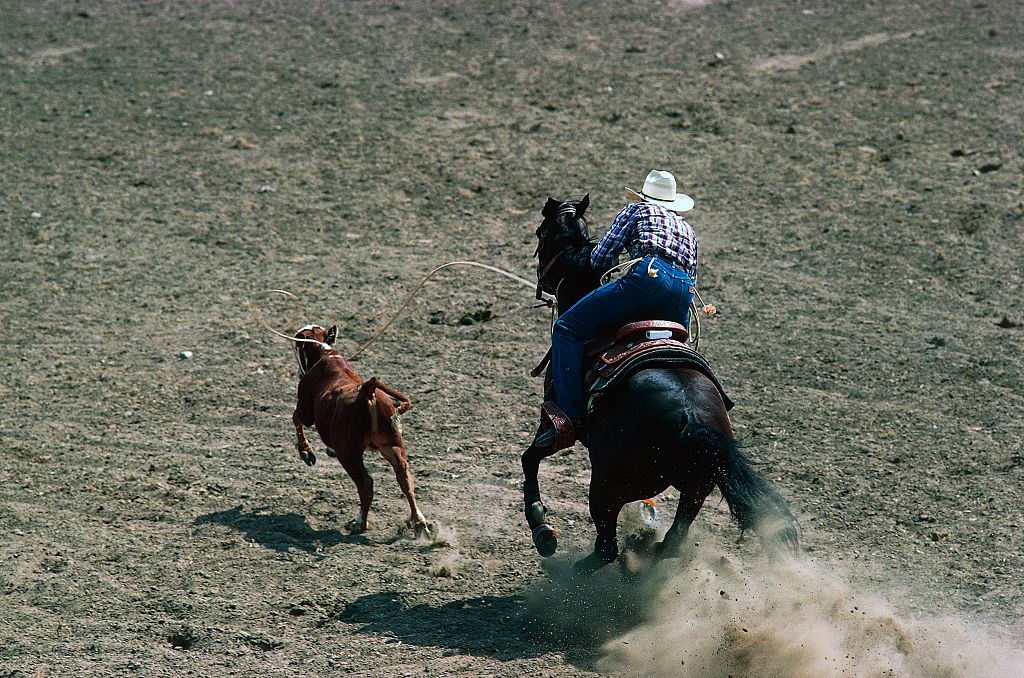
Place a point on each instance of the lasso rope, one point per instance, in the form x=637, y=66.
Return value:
x=259, y=319
x=546, y=297
x=549, y=299
x=409, y=297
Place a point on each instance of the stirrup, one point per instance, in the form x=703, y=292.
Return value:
x=560, y=432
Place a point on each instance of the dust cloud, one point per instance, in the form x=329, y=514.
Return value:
x=707, y=613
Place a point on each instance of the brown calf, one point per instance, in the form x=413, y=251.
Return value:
x=351, y=416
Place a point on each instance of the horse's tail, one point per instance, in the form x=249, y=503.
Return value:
x=752, y=500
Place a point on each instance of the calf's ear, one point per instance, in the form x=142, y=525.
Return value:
x=332, y=335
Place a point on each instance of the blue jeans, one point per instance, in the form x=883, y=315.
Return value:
x=635, y=296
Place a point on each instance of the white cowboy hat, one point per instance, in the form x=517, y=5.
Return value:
x=660, y=189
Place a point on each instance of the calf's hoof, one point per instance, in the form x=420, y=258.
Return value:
x=545, y=538
x=421, y=528
x=356, y=526
x=307, y=456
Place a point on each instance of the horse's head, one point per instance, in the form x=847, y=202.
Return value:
x=563, y=230
x=311, y=342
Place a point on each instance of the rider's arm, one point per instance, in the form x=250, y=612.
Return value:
x=606, y=254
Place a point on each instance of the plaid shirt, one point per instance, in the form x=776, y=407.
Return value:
x=643, y=228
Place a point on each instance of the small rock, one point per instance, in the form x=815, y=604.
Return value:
x=185, y=355
x=208, y=92
x=266, y=188
x=1007, y=324
x=36, y=215
x=989, y=167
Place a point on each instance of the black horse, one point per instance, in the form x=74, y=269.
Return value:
x=664, y=426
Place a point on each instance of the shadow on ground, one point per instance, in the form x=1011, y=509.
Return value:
x=279, y=532
x=487, y=626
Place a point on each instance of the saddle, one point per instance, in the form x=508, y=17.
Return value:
x=626, y=351
x=640, y=345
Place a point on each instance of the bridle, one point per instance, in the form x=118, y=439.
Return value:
x=565, y=210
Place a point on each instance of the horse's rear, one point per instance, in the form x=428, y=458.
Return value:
x=668, y=427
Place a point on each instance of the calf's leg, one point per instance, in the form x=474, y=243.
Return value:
x=395, y=455
x=352, y=461
x=301, y=441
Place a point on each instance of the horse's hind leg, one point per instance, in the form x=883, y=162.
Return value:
x=544, y=536
x=605, y=505
x=691, y=499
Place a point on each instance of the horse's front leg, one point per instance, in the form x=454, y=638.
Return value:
x=301, y=441
x=545, y=537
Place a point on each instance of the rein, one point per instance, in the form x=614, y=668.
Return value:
x=544, y=273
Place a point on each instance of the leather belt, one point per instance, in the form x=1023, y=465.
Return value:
x=663, y=259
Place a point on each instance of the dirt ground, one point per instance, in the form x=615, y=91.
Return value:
x=857, y=171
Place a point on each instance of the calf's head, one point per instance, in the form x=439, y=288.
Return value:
x=311, y=342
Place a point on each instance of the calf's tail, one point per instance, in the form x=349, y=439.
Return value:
x=365, y=418
x=380, y=414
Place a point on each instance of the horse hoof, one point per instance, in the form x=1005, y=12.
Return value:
x=535, y=513
x=648, y=513
x=592, y=563
x=545, y=538
x=355, y=527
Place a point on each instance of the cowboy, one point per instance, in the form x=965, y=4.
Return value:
x=659, y=286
